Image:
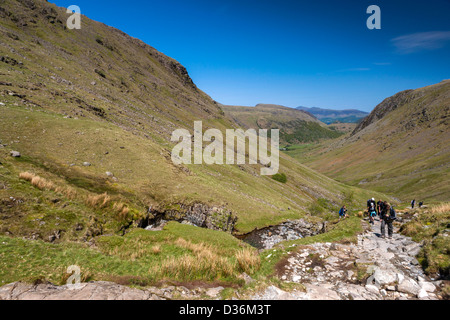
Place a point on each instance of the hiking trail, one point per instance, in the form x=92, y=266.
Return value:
x=331, y=271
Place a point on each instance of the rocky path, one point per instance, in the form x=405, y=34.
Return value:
x=373, y=269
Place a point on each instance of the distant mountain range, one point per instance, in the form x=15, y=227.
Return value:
x=296, y=126
x=329, y=116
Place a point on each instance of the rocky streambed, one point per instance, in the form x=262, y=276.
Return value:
x=268, y=237
x=220, y=218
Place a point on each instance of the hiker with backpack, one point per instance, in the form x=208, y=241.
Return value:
x=380, y=206
x=370, y=203
x=343, y=213
x=388, y=217
x=371, y=209
x=372, y=214
x=413, y=203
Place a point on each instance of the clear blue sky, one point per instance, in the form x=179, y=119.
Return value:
x=310, y=53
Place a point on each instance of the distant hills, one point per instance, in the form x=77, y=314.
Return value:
x=296, y=126
x=329, y=116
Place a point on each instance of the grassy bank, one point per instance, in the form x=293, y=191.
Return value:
x=431, y=225
x=178, y=253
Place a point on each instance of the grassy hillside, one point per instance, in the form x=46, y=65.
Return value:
x=91, y=112
x=401, y=148
x=295, y=125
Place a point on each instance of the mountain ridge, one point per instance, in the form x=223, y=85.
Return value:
x=330, y=115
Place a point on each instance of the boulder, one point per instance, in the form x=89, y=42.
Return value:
x=383, y=276
x=427, y=286
x=422, y=294
x=409, y=286
x=214, y=292
x=15, y=154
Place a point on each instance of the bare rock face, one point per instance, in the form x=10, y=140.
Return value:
x=197, y=214
x=388, y=105
x=85, y=291
x=102, y=290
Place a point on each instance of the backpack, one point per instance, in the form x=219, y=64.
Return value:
x=392, y=214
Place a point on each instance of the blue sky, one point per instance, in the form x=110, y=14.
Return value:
x=309, y=53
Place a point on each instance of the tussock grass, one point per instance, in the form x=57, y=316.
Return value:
x=121, y=209
x=98, y=201
x=441, y=208
x=248, y=260
x=156, y=249
x=37, y=181
x=68, y=192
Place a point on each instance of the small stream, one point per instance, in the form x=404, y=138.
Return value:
x=267, y=238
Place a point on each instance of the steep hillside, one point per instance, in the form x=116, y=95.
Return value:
x=329, y=116
x=401, y=148
x=295, y=126
x=86, y=119
x=92, y=111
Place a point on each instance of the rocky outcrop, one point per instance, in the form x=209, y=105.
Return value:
x=385, y=107
x=101, y=290
x=197, y=214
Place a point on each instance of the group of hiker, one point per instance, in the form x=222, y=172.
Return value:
x=413, y=203
x=386, y=214
x=383, y=210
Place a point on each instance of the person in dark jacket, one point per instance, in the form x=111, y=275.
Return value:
x=388, y=217
x=380, y=206
x=413, y=203
x=343, y=213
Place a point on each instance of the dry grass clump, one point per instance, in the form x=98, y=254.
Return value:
x=68, y=192
x=45, y=184
x=156, y=249
x=441, y=208
x=27, y=176
x=202, y=263
x=37, y=181
x=248, y=260
x=205, y=262
x=98, y=200
x=122, y=210
x=188, y=267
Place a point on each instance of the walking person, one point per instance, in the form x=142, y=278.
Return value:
x=413, y=203
x=388, y=217
x=380, y=205
x=343, y=213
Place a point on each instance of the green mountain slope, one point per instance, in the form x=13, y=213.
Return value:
x=99, y=96
x=401, y=148
x=295, y=125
